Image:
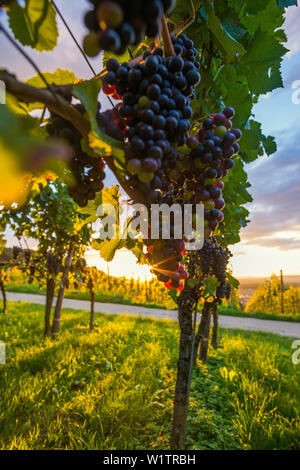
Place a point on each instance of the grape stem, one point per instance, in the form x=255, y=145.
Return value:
x=168, y=46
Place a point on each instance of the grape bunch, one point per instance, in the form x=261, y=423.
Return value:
x=155, y=98
x=228, y=291
x=87, y=171
x=212, y=260
x=27, y=256
x=205, y=161
x=115, y=24
x=155, y=106
x=165, y=256
x=16, y=252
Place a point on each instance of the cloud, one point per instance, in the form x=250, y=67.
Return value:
x=291, y=26
x=66, y=55
x=276, y=192
x=283, y=244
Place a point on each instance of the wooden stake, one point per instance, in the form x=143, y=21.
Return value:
x=282, y=291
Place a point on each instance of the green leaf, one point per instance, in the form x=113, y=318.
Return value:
x=120, y=58
x=269, y=19
x=210, y=285
x=230, y=46
x=192, y=282
x=34, y=24
x=59, y=77
x=250, y=143
x=109, y=195
x=287, y=3
x=269, y=144
x=90, y=210
x=254, y=7
x=16, y=130
x=87, y=93
x=138, y=252
x=102, y=143
x=173, y=293
x=262, y=62
x=232, y=281
x=233, y=29
x=108, y=247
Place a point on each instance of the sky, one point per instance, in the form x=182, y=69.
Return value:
x=271, y=241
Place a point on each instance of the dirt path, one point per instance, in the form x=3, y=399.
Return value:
x=254, y=324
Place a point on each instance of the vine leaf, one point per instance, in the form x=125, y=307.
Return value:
x=226, y=41
x=192, y=282
x=210, y=284
x=138, y=252
x=120, y=58
x=103, y=144
x=232, y=281
x=108, y=247
x=59, y=77
x=34, y=24
x=109, y=195
x=256, y=7
x=262, y=62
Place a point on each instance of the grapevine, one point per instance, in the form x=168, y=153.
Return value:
x=87, y=171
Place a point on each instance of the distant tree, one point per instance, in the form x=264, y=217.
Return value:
x=50, y=216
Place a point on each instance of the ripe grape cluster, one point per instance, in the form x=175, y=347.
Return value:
x=116, y=24
x=16, y=252
x=163, y=162
x=154, y=102
x=155, y=106
x=166, y=256
x=213, y=261
x=27, y=257
x=228, y=291
x=206, y=161
x=87, y=171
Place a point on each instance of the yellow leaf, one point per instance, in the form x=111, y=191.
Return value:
x=13, y=182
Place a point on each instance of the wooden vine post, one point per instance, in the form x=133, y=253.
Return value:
x=3, y=291
x=92, y=298
x=214, y=336
x=204, y=330
x=186, y=306
x=61, y=292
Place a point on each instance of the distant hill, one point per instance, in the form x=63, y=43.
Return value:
x=252, y=282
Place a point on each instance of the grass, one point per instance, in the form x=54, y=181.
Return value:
x=113, y=388
x=114, y=298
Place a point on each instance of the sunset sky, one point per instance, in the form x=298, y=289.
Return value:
x=272, y=240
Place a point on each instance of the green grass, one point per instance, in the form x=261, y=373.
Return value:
x=113, y=388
